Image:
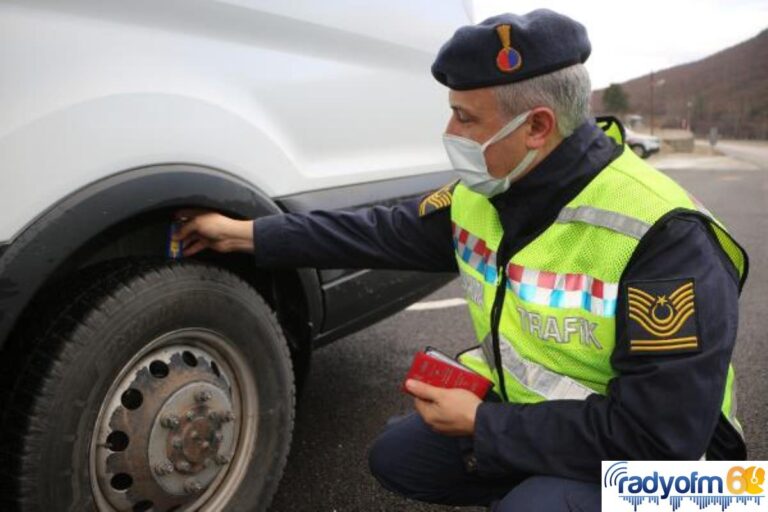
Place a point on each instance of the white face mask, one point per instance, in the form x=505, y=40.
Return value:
x=468, y=159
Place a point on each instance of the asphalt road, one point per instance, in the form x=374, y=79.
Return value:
x=353, y=387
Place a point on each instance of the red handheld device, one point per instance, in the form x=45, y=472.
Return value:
x=437, y=369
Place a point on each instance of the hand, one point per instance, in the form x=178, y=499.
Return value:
x=448, y=411
x=202, y=229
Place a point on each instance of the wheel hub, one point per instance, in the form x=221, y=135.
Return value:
x=193, y=436
x=171, y=431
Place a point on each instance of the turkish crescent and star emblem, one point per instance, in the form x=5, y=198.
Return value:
x=508, y=59
x=662, y=318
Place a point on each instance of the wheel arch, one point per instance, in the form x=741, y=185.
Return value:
x=127, y=215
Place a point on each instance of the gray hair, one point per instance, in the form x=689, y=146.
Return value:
x=566, y=91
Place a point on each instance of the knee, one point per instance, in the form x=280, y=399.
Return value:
x=408, y=458
x=382, y=462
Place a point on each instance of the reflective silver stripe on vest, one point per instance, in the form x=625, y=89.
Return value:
x=535, y=377
x=472, y=287
x=553, y=386
x=732, y=416
x=605, y=219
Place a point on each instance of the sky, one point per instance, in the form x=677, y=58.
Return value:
x=630, y=39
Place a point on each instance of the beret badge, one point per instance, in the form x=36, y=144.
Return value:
x=508, y=59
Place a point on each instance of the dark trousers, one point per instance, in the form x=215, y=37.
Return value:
x=410, y=459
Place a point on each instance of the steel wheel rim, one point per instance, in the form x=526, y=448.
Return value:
x=220, y=376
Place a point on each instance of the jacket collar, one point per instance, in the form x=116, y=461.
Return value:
x=532, y=204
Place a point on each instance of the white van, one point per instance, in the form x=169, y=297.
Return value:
x=133, y=383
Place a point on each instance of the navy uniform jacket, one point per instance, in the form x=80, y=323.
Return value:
x=658, y=407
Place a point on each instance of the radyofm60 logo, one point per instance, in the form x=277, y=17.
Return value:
x=684, y=485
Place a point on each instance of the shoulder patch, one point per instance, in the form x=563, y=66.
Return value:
x=437, y=200
x=661, y=317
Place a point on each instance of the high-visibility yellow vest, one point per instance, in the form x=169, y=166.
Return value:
x=546, y=319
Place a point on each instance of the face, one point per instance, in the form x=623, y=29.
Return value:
x=478, y=116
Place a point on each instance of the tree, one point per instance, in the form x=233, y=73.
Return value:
x=615, y=99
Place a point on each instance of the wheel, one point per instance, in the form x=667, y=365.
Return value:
x=159, y=387
x=639, y=150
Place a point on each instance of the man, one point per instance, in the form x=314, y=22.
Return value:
x=604, y=298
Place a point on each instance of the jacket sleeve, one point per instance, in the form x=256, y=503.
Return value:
x=394, y=237
x=659, y=406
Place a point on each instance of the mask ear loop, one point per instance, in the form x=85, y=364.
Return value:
x=523, y=165
x=511, y=126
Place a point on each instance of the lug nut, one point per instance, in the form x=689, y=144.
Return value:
x=164, y=468
x=203, y=396
x=170, y=421
x=221, y=459
x=218, y=437
x=192, y=486
x=183, y=466
x=190, y=415
x=177, y=443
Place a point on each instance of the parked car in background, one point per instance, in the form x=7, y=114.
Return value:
x=643, y=145
x=133, y=383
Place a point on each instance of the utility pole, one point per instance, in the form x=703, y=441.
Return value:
x=689, y=106
x=653, y=85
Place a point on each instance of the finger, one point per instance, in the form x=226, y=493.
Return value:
x=194, y=248
x=422, y=390
x=186, y=229
x=429, y=413
x=222, y=246
x=190, y=240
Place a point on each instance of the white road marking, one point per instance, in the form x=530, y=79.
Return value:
x=436, y=304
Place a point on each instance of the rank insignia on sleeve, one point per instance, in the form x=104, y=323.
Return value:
x=437, y=200
x=662, y=317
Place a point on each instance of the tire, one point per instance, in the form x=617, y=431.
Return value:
x=158, y=386
x=639, y=150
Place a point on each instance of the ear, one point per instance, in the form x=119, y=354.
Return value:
x=541, y=127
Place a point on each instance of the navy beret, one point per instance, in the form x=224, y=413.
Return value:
x=510, y=48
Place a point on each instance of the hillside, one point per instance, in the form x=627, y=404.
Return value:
x=728, y=90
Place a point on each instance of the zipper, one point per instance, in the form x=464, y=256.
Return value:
x=506, y=251
x=498, y=306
